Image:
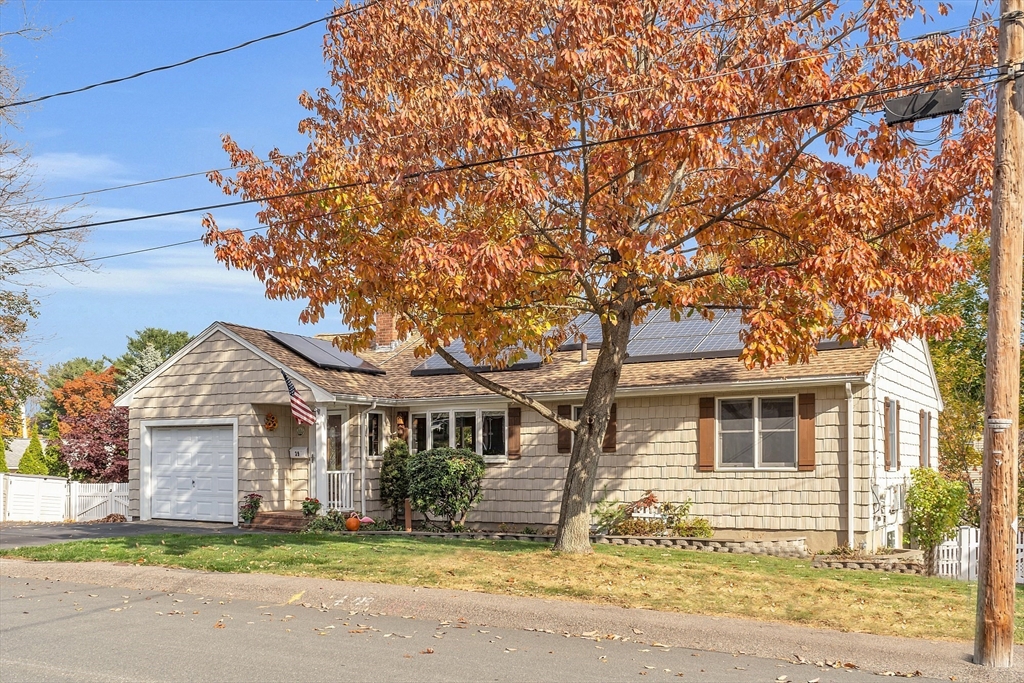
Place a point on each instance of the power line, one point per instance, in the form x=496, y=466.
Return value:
x=192, y=241
x=196, y=239
x=585, y=100
x=190, y=60
x=512, y=157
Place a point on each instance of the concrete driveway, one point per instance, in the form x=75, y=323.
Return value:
x=19, y=535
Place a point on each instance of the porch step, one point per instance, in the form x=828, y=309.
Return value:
x=286, y=520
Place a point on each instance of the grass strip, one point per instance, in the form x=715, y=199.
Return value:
x=754, y=587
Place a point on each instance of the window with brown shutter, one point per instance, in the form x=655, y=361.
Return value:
x=515, y=421
x=805, y=440
x=564, y=435
x=706, y=435
x=608, y=446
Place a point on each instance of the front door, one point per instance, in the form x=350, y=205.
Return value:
x=339, y=475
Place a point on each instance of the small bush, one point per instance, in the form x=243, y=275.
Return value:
x=334, y=520
x=394, y=476
x=694, y=527
x=620, y=519
x=636, y=526
x=32, y=459
x=934, y=505
x=445, y=482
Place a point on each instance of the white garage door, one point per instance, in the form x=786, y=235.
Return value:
x=193, y=473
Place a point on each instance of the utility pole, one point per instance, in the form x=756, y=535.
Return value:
x=993, y=640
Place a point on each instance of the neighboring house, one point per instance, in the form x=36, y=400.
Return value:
x=15, y=449
x=762, y=454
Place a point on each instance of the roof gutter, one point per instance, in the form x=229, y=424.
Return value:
x=709, y=387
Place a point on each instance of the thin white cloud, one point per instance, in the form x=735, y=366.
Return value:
x=184, y=270
x=75, y=166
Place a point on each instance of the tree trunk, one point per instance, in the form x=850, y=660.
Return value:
x=573, y=535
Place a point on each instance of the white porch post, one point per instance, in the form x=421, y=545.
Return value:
x=318, y=456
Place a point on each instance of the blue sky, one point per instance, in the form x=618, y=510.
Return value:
x=156, y=126
x=162, y=125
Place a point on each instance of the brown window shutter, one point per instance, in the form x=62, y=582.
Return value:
x=886, y=436
x=564, y=435
x=608, y=446
x=923, y=438
x=402, y=424
x=805, y=433
x=515, y=421
x=896, y=440
x=706, y=435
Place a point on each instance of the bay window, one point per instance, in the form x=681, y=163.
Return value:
x=482, y=431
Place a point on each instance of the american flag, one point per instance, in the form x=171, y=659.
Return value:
x=300, y=411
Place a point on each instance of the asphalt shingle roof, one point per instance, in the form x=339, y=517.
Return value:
x=562, y=373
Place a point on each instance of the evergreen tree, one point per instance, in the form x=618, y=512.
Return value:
x=139, y=365
x=55, y=464
x=32, y=460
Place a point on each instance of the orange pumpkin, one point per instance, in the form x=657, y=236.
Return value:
x=352, y=523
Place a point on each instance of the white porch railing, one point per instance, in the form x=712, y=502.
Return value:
x=340, y=487
x=958, y=558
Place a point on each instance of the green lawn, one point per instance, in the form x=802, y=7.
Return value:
x=765, y=588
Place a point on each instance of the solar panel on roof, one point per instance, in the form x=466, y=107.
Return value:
x=590, y=326
x=324, y=354
x=436, y=365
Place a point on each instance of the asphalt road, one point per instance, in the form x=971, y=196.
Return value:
x=52, y=630
x=19, y=535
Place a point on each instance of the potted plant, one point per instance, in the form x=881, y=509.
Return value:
x=248, y=508
x=311, y=507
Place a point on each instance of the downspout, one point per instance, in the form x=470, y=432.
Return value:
x=362, y=458
x=850, y=493
x=872, y=485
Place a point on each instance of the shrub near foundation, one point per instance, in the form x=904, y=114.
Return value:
x=446, y=482
x=394, y=476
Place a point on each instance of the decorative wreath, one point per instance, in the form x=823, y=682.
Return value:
x=270, y=422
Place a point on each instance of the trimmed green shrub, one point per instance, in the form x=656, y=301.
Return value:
x=3, y=457
x=934, y=505
x=394, y=476
x=445, y=482
x=32, y=460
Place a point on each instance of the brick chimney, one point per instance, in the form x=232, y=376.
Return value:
x=385, y=328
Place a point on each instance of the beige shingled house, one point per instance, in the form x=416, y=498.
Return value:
x=821, y=450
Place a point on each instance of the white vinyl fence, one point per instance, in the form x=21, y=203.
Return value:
x=34, y=498
x=958, y=558
x=87, y=502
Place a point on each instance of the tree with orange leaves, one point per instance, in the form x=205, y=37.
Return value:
x=490, y=170
x=92, y=392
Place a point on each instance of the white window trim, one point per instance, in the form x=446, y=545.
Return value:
x=758, y=467
x=478, y=440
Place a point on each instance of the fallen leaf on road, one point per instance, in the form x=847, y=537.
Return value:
x=638, y=632
x=219, y=624
x=428, y=651
x=782, y=678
